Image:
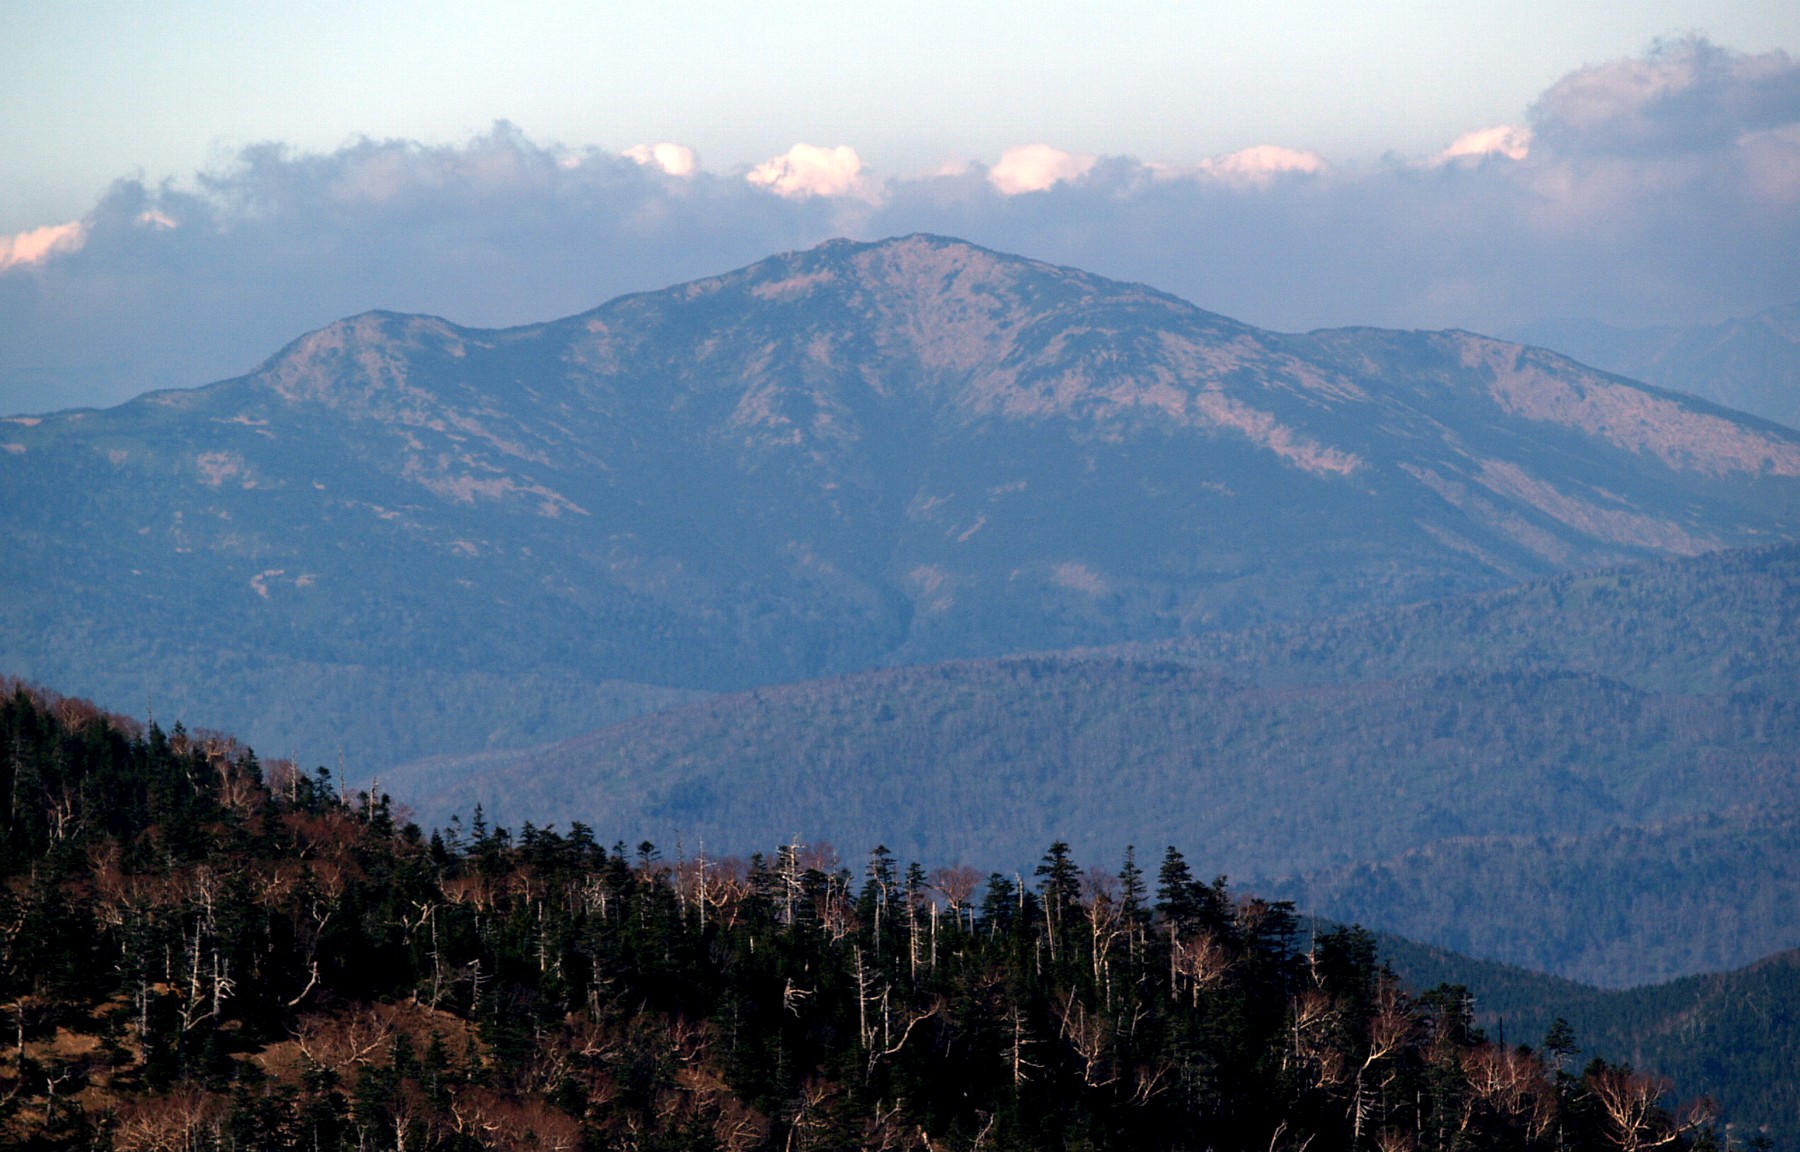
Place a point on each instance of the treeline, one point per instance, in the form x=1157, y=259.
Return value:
x=203, y=951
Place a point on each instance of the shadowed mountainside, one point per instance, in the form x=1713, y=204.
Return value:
x=982, y=761
x=1727, y=622
x=857, y=455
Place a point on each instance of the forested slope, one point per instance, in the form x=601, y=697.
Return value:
x=1571, y=709
x=1733, y=1035
x=1725, y=622
x=981, y=762
x=1625, y=906
x=199, y=956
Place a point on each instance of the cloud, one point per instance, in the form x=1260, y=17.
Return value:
x=1663, y=188
x=808, y=170
x=1037, y=168
x=178, y=284
x=1685, y=95
x=1507, y=140
x=1770, y=162
x=1263, y=163
x=673, y=159
x=36, y=245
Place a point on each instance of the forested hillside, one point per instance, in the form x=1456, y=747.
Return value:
x=980, y=762
x=1530, y=730
x=200, y=954
x=1733, y=1035
x=1726, y=622
x=1625, y=906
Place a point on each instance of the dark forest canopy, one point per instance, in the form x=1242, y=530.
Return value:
x=202, y=950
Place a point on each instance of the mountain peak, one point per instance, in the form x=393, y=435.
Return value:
x=360, y=360
x=861, y=453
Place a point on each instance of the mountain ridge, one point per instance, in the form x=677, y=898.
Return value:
x=841, y=458
x=1714, y=886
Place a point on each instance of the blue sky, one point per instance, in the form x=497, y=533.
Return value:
x=185, y=187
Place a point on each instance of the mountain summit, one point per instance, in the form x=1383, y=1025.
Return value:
x=854, y=455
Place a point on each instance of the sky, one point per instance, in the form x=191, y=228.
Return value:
x=185, y=188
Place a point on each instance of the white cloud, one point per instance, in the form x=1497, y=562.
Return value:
x=37, y=245
x=1508, y=140
x=156, y=218
x=808, y=170
x=1037, y=168
x=673, y=159
x=1262, y=164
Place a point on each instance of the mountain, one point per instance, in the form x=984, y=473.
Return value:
x=1731, y=1035
x=1554, y=773
x=1624, y=906
x=853, y=456
x=1752, y=364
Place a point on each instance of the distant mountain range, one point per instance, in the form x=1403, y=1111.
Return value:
x=405, y=538
x=1591, y=774
x=1752, y=364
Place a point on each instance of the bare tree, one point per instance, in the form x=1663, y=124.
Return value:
x=958, y=886
x=185, y=1120
x=1200, y=959
x=1089, y=1035
x=1628, y=1101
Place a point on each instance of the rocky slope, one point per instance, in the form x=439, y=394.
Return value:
x=1751, y=363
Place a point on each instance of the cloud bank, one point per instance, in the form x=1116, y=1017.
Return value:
x=1660, y=188
x=1508, y=140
